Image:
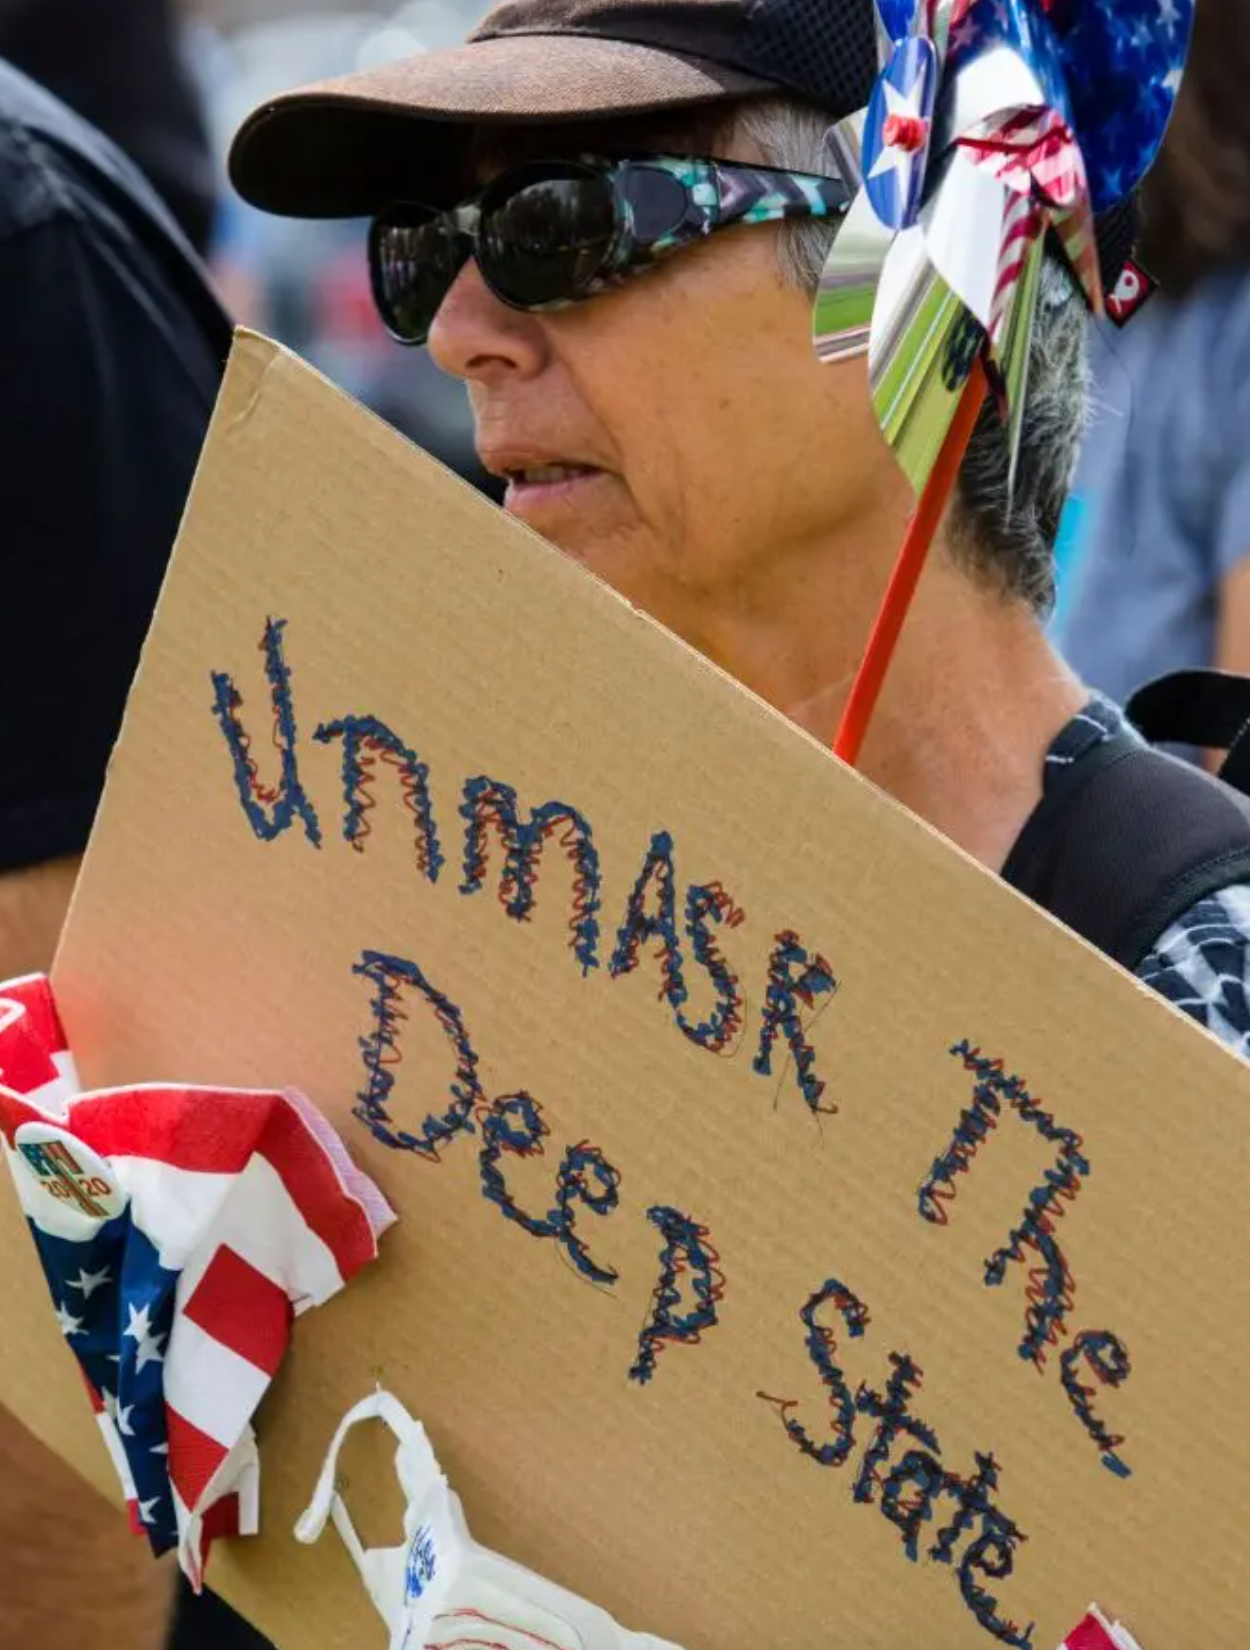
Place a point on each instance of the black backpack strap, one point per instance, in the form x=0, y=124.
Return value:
x=1208, y=708
x=1126, y=840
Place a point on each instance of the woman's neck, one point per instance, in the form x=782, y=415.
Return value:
x=974, y=696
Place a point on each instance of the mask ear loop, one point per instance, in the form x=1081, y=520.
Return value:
x=326, y=1501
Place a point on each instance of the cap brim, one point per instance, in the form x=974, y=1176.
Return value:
x=348, y=147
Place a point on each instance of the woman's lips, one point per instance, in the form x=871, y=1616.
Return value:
x=538, y=492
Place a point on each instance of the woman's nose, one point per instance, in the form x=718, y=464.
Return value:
x=477, y=337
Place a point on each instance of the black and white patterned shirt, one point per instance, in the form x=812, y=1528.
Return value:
x=1202, y=963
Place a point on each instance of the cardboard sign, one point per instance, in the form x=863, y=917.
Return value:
x=802, y=1240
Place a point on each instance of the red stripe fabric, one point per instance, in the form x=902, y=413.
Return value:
x=1089, y=1635
x=314, y=1187
x=243, y=1309
x=217, y=1131
x=32, y=1033
x=14, y=1112
x=222, y=1518
x=193, y=1456
x=208, y=1131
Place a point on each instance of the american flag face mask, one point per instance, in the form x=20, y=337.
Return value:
x=181, y=1230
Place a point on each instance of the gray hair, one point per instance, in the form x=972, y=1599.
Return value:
x=1002, y=536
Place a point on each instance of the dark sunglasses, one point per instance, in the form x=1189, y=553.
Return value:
x=554, y=232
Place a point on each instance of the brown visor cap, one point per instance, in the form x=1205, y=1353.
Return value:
x=350, y=146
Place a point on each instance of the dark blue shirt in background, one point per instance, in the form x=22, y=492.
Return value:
x=111, y=352
x=112, y=346
x=1164, y=487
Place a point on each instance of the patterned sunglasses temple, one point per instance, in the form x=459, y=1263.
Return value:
x=720, y=194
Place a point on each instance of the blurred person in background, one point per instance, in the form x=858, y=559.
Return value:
x=119, y=65
x=140, y=72
x=113, y=345
x=111, y=350
x=1162, y=572
x=304, y=283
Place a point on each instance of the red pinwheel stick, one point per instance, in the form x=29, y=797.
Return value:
x=888, y=625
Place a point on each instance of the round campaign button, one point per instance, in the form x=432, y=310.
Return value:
x=68, y=1172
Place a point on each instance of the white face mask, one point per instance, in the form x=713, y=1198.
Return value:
x=409, y=1584
x=439, y=1580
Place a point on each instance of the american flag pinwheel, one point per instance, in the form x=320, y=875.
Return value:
x=992, y=123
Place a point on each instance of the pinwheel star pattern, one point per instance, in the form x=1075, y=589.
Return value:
x=1063, y=107
x=1123, y=66
x=894, y=157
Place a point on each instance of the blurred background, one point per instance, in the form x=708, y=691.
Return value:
x=1154, y=552
x=1158, y=526
x=305, y=284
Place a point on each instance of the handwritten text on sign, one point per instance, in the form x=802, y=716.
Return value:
x=954, y=1517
